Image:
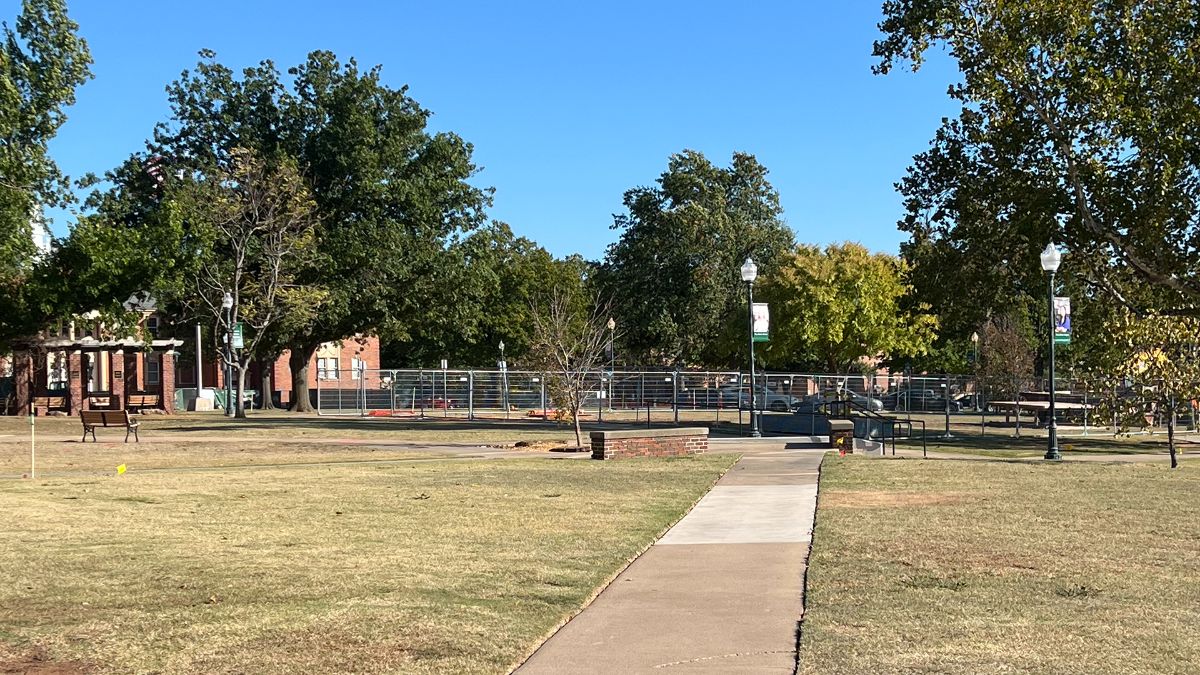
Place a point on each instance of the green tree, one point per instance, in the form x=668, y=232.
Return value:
x=1077, y=125
x=1151, y=367
x=42, y=61
x=673, y=274
x=838, y=306
x=390, y=196
x=485, y=287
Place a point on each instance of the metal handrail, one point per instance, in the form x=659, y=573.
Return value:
x=888, y=422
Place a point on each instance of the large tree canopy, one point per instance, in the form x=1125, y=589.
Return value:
x=1079, y=124
x=390, y=195
x=842, y=306
x=42, y=61
x=673, y=274
x=488, y=285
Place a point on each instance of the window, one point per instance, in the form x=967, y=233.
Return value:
x=152, y=326
x=152, y=369
x=327, y=369
x=358, y=366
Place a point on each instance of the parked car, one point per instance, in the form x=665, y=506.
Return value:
x=764, y=399
x=438, y=403
x=868, y=402
x=818, y=402
x=927, y=400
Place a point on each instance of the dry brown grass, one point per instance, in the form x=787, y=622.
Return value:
x=428, y=567
x=1047, y=568
x=873, y=499
x=278, y=425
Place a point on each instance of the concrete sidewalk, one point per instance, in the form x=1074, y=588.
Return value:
x=721, y=592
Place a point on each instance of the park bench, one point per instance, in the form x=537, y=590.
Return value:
x=44, y=404
x=107, y=418
x=139, y=401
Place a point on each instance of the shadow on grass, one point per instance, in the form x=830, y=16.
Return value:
x=1033, y=445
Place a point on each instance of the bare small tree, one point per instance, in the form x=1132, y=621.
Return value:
x=259, y=219
x=1005, y=360
x=568, y=343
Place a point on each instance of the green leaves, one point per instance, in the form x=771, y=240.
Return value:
x=1077, y=125
x=673, y=274
x=838, y=306
x=42, y=61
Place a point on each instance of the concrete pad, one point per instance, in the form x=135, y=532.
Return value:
x=748, y=514
x=688, y=609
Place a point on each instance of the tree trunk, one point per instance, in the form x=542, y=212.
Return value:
x=298, y=362
x=239, y=402
x=267, y=387
x=578, y=432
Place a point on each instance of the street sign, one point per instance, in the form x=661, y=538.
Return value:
x=238, y=342
x=762, y=322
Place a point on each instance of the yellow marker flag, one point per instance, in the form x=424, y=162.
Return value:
x=120, y=469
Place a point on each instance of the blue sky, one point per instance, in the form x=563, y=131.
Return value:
x=567, y=104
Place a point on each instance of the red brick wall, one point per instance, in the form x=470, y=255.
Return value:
x=366, y=348
x=648, y=445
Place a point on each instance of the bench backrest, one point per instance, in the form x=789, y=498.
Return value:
x=49, y=401
x=107, y=418
x=143, y=399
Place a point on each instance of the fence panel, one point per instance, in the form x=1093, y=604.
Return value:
x=658, y=396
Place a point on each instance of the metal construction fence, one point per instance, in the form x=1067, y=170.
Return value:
x=690, y=395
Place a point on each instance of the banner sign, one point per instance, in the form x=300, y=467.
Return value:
x=238, y=343
x=1062, y=321
x=762, y=322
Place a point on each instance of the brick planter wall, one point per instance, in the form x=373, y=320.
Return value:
x=649, y=443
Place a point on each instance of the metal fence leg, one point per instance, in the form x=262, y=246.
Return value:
x=471, y=395
x=421, y=387
x=675, y=396
x=362, y=391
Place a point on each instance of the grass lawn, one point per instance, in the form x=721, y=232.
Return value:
x=273, y=425
x=429, y=567
x=989, y=567
x=1002, y=446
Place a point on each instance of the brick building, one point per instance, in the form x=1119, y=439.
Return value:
x=332, y=360
x=81, y=366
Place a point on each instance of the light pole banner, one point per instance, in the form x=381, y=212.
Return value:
x=762, y=322
x=238, y=341
x=1062, y=321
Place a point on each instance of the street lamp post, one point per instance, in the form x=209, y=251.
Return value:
x=975, y=366
x=227, y=306
x=612, y=361
x=1050, y=261
x=749, y=274
x=504, y=379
